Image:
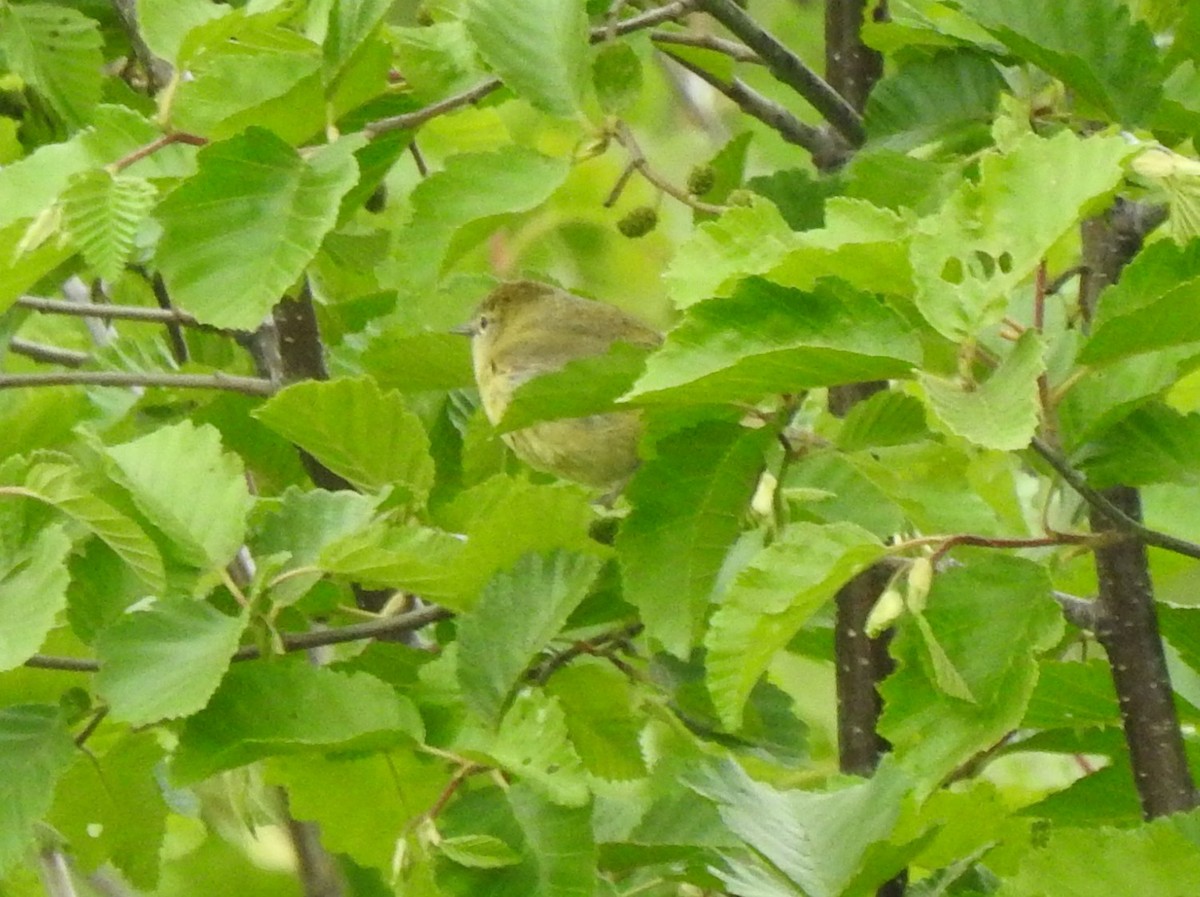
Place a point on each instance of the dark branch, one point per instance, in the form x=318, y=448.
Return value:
x=789, y=69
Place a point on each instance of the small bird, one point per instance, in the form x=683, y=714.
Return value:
x=525, y=329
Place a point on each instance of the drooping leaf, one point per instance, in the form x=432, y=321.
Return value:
x=772, y=597
x=518, y=613
x=165, y=661
x=687, y=506
x=33, y=592
x=1001, y=413
x=237, y=235
x=356, y=430
x=37, y=751
x=537, y=47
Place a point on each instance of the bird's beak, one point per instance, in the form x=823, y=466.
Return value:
x=464, y=329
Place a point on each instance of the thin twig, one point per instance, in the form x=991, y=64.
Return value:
x=291, y=641
x=101, y=310
x=1115, y=515
x=636, y=158
x=251, y=386
x=731, y=48
x=49, y=354
x=820, y=144
x=789, y=69
x=154, y=146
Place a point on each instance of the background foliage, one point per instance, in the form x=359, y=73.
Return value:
x=280, y=208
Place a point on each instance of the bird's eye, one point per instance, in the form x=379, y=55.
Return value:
x=483, y=322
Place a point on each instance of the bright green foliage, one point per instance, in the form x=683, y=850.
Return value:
x=607, y=695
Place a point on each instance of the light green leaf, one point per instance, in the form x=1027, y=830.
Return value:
x=770, y=339
x=533, y=744
x=166, y=661
x=188, y=487
x=559, y=841
x=772, y=598
x=437, y=60
x=1001, y=413
x=164, y=24
x=419, y=362
x=265, y=709
x=1092, y=46
x=351, y=22
x=33, y=591
x=238, y=234
x=745, y=240
x=886, y=418
x=478, y=852
x=420, y=560
x=688, y=503
x=1074, y=695
x=818, y=840
x=36, y=750
x=57, y=50
x=102, y=213
x=1154, y=858
x=539, y=48
x=21, y=266
x=470, y=187
x=990, y=617
x=945, y=675
x=356, y=430
x=600, y=709
x=861, y=243
x=111, y=810
x=518, y=613
x=969, y=256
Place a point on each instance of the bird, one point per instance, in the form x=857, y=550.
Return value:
x=525, y=329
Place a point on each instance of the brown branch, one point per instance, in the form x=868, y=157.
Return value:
x=638, y=161
x=48, y=354
x=251, y=386
x=155, y=145
x=108, y=312
x=731, y=48
x=851, y=67
x=291, y=641
x=789, y=69
x=827, y=149
x=862, y=662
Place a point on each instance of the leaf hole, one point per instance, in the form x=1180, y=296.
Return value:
x=1006, y=262
x=952, y=271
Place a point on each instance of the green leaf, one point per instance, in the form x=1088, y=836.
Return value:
x=518, y=613
x=33, y=591
x=437, y=60
x=1155, y=305
x=238, y=234
x=886, y=418
x=1154, y=858
x=688, y=503
x=37, y=749
x=990, y=617
x=478, y=852
x=772, y=598
x=1072, y=695
x=533, y=744
x=351, y=22
x=187, y=486
x=601, y=720
x=471, y=187
x=163, y=24
x=1092, y=46
x=818, y=840
x=419, y=362
x=745, y=240
x=416, y=559
x=22, y=266
x=1001, y=413
x=945, y=674
x=356, y=430
x=934, y=99
x=969, y=256
x=583, y=387
x=1153, y=444
x=57, y=50
x=539, y=48
x=112, y=810
x=103, y=212
x=617, y=77
x=165, y=661
x=770, y=339
x=559, y=841
x=264, y=709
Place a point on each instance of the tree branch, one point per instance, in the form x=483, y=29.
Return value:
x=291, y=641
x=789, y=69
x=827, y=149
x=108, y=312
x=48, y=354
x=251, y=386
x=850, y=65
x=732, y=49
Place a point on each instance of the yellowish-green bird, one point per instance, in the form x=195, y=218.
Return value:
x=525, y=329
